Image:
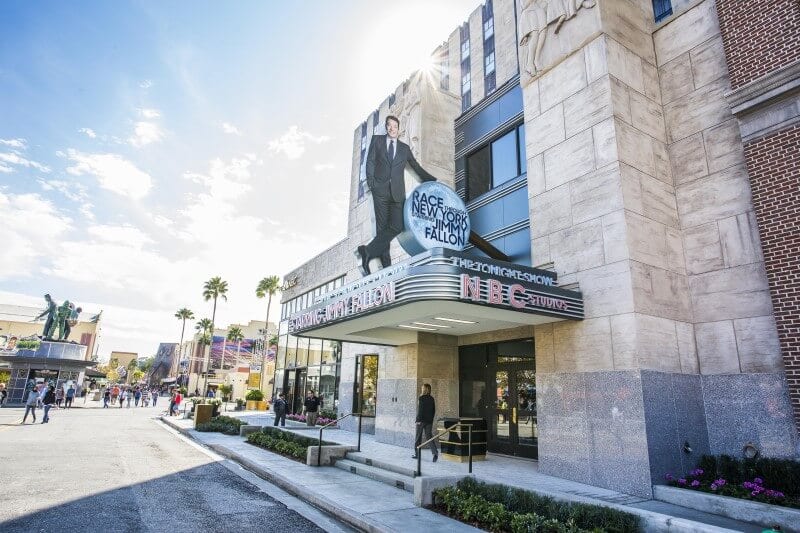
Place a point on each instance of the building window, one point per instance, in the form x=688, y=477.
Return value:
x=466, y=69
x=488, y=28
x=489, y=64
x=662, y=9
x=496, y=163
x=465, y=83
x=465, y=49
x=362, y=167
x=365, y=386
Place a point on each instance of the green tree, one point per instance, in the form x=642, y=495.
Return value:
x=146, y=364
x=235, y=335
x=182, y=314
x=214, y=288
x=225, y=389
x=268, y=287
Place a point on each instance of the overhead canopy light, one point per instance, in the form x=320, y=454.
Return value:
x=456, y=320
x=430, y=325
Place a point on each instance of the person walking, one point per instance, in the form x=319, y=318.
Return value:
x=31, y=403
x=178, y=400
x=312, y=408
x=122, y=395
x=59, y=396
x=137, y=395
x=3, y=393
x=128, y=397
x=49, y=401
x=155, y=396
x=70, y=396
x=106, y=398
x=280, y=410
x=426, y=409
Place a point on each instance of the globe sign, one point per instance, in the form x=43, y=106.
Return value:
x=435, y=217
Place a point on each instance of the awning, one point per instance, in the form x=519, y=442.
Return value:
x=92, y=373
x=439, y=291
x=169, y=380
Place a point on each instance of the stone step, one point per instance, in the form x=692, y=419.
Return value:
x=361, y=457
x=393, y=479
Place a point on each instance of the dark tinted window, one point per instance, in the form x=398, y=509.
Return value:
x=479, y=172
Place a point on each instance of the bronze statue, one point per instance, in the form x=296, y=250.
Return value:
x=51, y=316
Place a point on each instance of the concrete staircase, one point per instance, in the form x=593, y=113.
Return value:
x=362, y=465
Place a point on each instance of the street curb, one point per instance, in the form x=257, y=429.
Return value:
x=358, y=521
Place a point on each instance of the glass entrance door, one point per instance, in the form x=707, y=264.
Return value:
x=512, y=416
x=295, y=386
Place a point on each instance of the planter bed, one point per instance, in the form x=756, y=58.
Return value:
x=739, y=509
x=284, y=443
x=222, y=424
x=507, y=509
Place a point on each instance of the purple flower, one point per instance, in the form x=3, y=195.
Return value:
x=720, y=482
x=758, y=480
x=754, y=493
x=682, y=481
x=713, y=486
x=668, y=476
x=696, y=472
x=695, y=483
x=748, y=485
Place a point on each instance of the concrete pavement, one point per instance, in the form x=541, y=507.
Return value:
x=121, y=470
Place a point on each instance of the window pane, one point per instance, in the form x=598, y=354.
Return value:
x=479, y=179
x=489, y=64
x=504, y=159
x=314, y=352
x=369, y=385
x=464, y=50
x=327, y=386
x=302, y=351
x=280, y=357
x=291, y=351
x=523, y=160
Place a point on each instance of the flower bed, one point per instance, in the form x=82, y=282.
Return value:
x=222, y=424
x=284, y=443
x=765, y=480
x=507, y=509
x=321, y=420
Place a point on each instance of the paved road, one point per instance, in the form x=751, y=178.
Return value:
x=121, y=470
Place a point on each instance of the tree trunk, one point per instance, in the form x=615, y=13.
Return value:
x=211, y=343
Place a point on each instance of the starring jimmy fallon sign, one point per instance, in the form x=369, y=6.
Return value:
x=435, y=217
x=441, y=274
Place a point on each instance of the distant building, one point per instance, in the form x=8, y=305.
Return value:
x=123, y=361
x=165, y=364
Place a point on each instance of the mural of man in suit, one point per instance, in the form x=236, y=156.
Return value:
x=386, y=161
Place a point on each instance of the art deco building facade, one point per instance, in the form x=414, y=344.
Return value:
x=642, y=154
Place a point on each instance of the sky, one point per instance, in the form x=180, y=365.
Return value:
x=147, y=146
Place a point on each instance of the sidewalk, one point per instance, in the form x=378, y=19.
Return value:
x=302, y=480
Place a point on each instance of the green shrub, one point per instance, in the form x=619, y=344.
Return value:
x=254, y=395
x=283, y=442
x=541, y=513
x=222, y=424
x=329, y=413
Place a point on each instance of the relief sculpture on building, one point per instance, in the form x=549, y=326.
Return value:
x=536, y=17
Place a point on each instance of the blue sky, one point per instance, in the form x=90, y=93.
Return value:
x=148, y=146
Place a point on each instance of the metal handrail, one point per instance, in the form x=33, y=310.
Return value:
x=329, y=424
x=418, y=449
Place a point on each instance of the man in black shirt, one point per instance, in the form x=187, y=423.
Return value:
x=426, y=409
x=312, y=408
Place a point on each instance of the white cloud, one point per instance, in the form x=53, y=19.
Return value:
x=150, y=113
x=89, y=132
x=113, y=173
x=73, y=191
x=14, y=143
x=32, y=230
x=293, y=143
x=225, y=181
x=14, y=158
x=146, y=133
x=5, y=168
x=323, y=166
x=227, y=127
x=125, y=234
x=145, y=84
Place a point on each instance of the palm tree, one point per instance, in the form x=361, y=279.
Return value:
x=213, y=288
x=202, y=327
x=182, y=314
x=235, y=335
x=267, y=287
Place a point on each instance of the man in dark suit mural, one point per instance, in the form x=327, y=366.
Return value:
x=386, y=161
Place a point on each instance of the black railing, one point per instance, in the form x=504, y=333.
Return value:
x=329, y=424
x=446, y=430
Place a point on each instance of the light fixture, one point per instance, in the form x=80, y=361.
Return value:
x=416, y=327
x=431, y=325
x=456, y=320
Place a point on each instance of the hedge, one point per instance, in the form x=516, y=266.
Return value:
x=284, y=443
x=507, y=509
x=222, y=424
